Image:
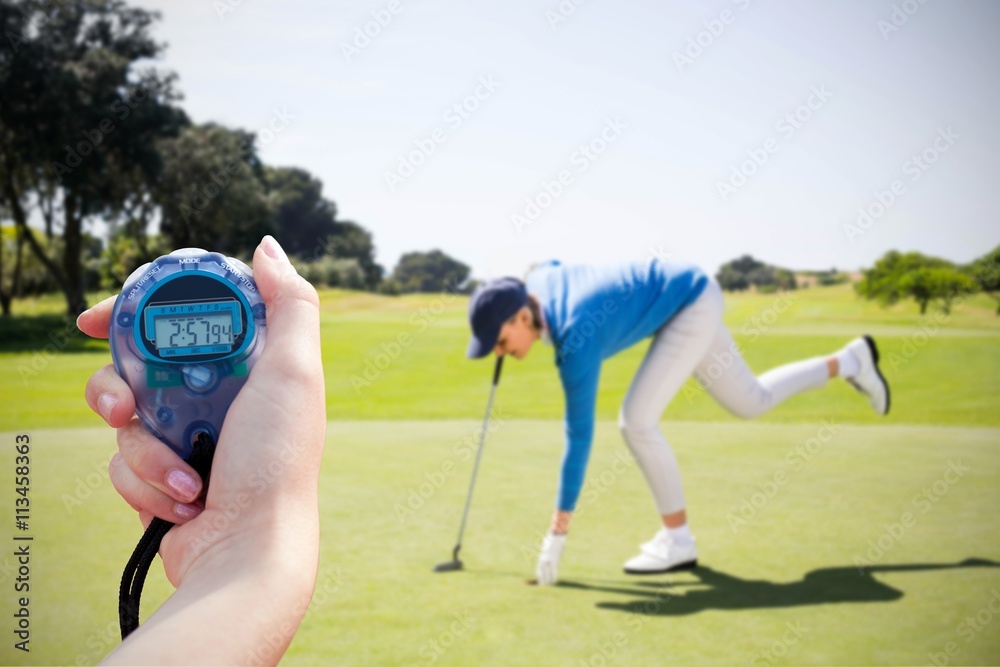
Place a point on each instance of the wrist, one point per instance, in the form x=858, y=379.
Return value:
x=280, y=552
x=560, y=522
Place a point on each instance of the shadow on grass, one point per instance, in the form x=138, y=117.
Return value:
x=823, y=586
x=49, y=332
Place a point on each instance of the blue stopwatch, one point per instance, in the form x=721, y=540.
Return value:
x=185, y=333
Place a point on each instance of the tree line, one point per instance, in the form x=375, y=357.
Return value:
x=930, y=280
x=895, y=277
x=88, y=133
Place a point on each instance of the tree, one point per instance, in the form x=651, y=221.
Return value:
x=125, y=253
x=307, y=228
x=431, y=271
x=784, y=279
x=352, y=241
x=212, y=192
x=761, y=276
x=746, y=264
x=76, y=118
x=897, y=276
x=731, y=279
x=24, y=276
x=986, y=272
x=332, y=272
x=831, y=277
x=304, y=219
x=928, y=283
x=744, y=271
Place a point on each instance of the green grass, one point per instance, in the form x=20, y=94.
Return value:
x=404, y=438
x=793, y=562
x=949, y=377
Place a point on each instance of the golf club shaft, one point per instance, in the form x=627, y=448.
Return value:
x=479, y=453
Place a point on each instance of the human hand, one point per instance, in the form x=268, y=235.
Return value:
x=262, y=504
x=547, y=571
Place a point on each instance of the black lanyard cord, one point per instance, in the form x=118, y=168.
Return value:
x=149, y=544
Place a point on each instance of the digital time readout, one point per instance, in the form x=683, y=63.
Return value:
x=193, y=331
x=182, y=329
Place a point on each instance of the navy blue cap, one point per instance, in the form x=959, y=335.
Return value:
x=491, y=305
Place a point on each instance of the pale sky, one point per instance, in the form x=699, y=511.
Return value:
x=677, y=119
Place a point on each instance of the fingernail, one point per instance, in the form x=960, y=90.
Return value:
x=186, y=512
x=105, y=404
x=272, y=249
x=182, y=483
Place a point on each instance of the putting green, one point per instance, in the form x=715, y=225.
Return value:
x=845, y=544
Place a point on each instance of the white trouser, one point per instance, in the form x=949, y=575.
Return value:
x=696, y=341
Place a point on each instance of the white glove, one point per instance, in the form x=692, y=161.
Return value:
x=548, y=560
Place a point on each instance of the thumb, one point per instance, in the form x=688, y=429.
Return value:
x=282, y=408
x=292, y=311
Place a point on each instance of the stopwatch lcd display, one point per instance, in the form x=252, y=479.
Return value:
x=183, y=329
x=176, y=328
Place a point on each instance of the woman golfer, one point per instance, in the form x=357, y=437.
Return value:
x=590, y=313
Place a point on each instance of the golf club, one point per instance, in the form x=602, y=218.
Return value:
x=455, y=563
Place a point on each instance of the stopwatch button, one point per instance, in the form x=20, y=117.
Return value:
x=188, y=252
x=164, y=415
x=199, y=378
x=125, y=320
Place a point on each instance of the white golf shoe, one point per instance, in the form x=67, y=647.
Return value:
x=661, y=554
x=869, y=380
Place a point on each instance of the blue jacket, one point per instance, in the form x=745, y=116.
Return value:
x=592, y=313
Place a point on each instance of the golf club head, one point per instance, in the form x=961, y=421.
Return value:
x=449, y=566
